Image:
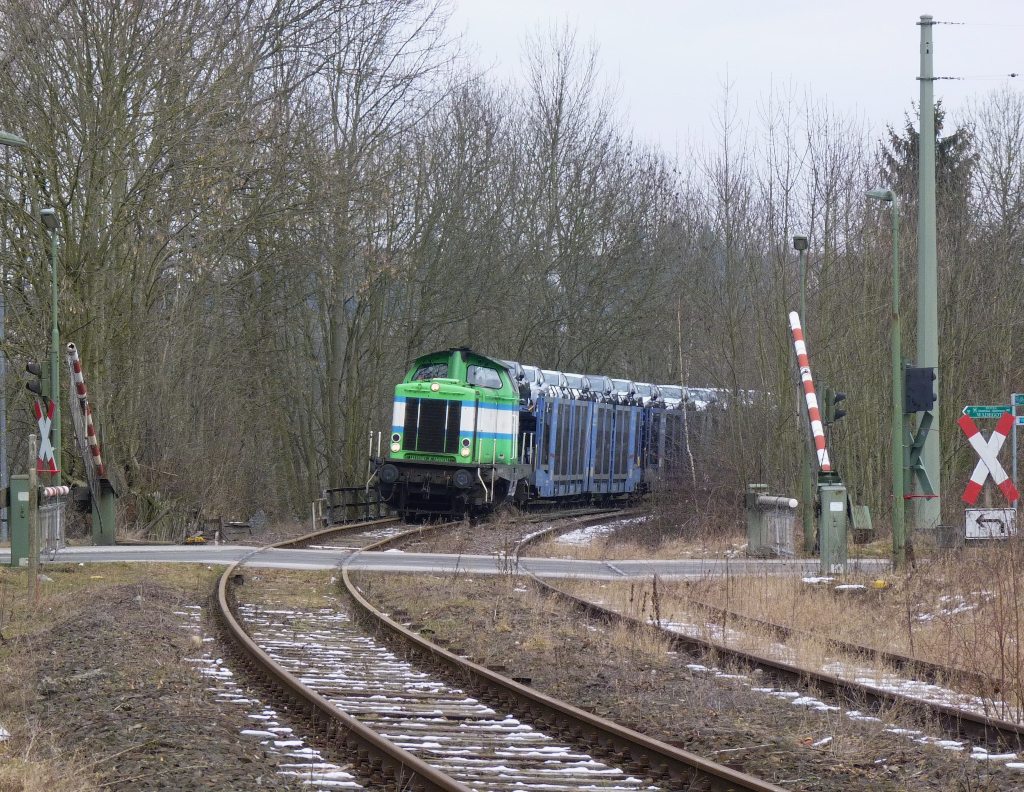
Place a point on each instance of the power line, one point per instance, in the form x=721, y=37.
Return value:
x=978, y=76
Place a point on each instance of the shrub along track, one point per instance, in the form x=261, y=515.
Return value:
x=994, y=732
x=386, y=764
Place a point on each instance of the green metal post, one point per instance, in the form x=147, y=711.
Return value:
x=800, y=243
x=103, y=515
x=33, y=518
x=808, y=501
x=12, y=141
x=55, y=363
x=899, y=533
x=929, y=510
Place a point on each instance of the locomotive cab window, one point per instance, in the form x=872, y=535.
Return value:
x=430, y=371
x=484, y=377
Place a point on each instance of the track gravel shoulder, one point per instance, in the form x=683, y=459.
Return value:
x=107, y=686
x=504, y=623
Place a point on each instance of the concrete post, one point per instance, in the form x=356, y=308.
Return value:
x=929, y=510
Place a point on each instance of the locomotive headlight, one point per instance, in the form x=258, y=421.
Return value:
x=464, y=452
x=396, y=447
x=434, y=386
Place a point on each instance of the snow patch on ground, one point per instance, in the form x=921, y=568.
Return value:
x=315, y=773
x=584, y=536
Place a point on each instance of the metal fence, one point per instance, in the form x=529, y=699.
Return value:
x=51, y=526
x=778, y=531
x=349, y=504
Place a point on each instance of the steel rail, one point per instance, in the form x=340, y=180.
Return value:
x=323, y=533
x=934, y=673
x=378, y=758
x=962, y=723
x=678, y=768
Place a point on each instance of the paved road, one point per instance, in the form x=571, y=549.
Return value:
x=437, y=563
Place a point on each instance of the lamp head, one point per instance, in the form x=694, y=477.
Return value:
x=49, y=217
x=15, y=141
x=881, y=195
x=800, y=242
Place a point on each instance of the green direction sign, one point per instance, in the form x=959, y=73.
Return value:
x=1018, y=399
x=986, y=411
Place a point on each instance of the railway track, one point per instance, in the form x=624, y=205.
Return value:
x=956, y=721
x=407, y=725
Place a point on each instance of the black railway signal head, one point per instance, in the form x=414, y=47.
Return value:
x=836, y=412
x=41, y=385
x=832, y=413
x=919, y=389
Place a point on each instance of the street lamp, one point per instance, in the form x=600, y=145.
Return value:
x=12, y=141
x=800, y=244
x=899, y=537
x=49, y=218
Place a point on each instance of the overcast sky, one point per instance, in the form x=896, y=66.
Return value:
x=671, y=59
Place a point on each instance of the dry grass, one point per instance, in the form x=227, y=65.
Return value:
x=31, y=760
x=644, y=538
x=634, y=678
x=964, y=610
x=455, y=598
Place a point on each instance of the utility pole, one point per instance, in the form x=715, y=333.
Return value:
x=929, y=510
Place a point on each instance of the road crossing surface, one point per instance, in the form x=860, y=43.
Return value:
x=446, y=564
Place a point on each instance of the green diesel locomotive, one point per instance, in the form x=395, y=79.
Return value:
x=457, y=442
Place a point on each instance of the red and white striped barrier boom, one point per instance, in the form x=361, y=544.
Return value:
x=812, y=399
x=83, y=401
x=53, y=492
